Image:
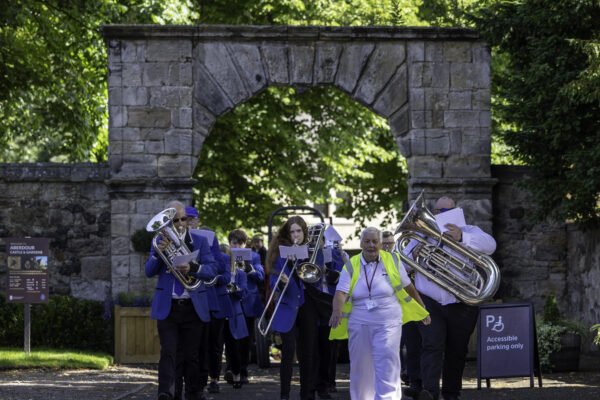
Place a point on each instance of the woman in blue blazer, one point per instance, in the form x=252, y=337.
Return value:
x=296, y=317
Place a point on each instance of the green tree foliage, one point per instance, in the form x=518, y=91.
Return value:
x=283, y=148
x=53, y=76
x=549, y=91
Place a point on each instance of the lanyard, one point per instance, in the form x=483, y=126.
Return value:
x=370, y=284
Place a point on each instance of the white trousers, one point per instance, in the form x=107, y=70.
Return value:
x=374, y=361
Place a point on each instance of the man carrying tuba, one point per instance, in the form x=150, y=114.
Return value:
x=444, y=341
x=182, y=315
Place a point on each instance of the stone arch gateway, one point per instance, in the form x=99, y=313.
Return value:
x=168, y=84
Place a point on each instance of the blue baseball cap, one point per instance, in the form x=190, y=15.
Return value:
x=191, y=212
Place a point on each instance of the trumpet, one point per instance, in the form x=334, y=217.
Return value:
x=162, y=225
x=472, y=281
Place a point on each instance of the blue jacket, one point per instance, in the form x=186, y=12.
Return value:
x=252, y=303
x=237, y=320
x=218, y=301
x=336, y=264
x=161, y=303
x=293, y=299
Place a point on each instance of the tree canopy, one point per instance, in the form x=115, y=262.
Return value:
x=548, y=98
x=546, y=58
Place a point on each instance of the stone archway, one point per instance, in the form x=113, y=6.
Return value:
x=167, y=85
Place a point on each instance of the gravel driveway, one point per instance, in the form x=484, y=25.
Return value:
x=128, y=382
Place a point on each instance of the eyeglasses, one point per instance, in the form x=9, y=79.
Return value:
x=387, y=243
x=182, y=219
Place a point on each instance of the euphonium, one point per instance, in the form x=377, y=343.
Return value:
x=162, y=225
x=472, y=278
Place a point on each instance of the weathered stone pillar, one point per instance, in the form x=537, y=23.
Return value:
x=445, y=131
x=150, y=143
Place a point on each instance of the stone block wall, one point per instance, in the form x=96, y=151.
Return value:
x=536, y=259
x=69, y=204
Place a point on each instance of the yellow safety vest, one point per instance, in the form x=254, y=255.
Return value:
x=411, y=310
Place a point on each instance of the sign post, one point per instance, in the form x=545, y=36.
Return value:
x=507, y=343
x=27, y=276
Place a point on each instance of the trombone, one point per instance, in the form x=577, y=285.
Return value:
x=262, y=320
x=308, y=271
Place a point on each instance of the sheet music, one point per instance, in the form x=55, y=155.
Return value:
x=298, y=252
x=241, y=254
x=327, y=254
x=209, y=235
x=454, y=216
x=184, y=258
x=332, y=235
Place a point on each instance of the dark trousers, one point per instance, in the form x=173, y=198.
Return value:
x=232, y=350
x=215, y=347
x=445, y=345
x=412, y=340
x=245, y=344
x=288, y=348
x=327, y=349
x=179, y=330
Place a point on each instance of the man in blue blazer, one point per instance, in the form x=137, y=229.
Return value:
x=182, y=316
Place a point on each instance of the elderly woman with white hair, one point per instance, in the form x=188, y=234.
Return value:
x=373, y=298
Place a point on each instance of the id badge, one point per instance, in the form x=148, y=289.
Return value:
x=371, y=305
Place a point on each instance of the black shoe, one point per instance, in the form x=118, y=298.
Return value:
x=164, y=396
x=324, y=395
x=213, y=387
x=451, y=397
x=411, y=392
x=202, y=396
x=228, y=377
x=237, y=384
x=405, y=378
x=244, y=380
x=426, y=395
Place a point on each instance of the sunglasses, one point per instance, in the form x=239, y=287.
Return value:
x=182, y=219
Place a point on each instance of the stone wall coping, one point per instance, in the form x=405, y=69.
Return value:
x=285, y=32
x=446, y=182
x=54, y=172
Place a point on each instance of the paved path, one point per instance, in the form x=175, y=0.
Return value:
x=139, y=383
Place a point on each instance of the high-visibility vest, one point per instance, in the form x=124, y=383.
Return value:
x=411, y=310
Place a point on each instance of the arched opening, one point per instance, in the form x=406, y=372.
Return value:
x=297, y=145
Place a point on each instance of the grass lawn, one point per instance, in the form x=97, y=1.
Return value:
x=13, y=357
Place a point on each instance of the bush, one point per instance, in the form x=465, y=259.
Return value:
x=142, y=240
x=63, y=322
x=549, y=329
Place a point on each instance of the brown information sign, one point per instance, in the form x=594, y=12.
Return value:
x=27, y=270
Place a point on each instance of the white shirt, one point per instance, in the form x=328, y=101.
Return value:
x=472, y=237
x=388, y=308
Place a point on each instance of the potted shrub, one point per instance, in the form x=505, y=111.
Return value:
x=559, y=339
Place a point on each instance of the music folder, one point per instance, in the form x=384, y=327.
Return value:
x=184, y=258
x=294, y=252
x=241, y=254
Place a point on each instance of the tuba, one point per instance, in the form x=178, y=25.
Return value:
x=162, y=225
x=472, y=278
